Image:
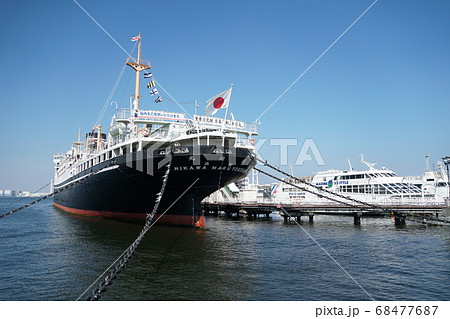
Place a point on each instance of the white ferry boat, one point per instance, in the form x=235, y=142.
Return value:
x=376, y=186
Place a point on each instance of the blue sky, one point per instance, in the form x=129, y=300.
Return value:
x=382, y=90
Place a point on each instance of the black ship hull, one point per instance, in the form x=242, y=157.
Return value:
x=126, y=187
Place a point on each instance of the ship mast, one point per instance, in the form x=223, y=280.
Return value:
x=138, y=67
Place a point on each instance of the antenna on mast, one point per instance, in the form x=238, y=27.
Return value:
x=369, y=165
x=350, y=168
x=138, y=67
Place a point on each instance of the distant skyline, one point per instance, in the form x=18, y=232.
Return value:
x=382, y=90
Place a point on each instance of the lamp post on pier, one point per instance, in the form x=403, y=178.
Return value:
x=447, y=162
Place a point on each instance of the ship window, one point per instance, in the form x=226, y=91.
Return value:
x=361, y=189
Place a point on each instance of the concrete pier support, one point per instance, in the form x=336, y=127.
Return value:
x=299, y=219
x=311, y=217
x=357, y=218
x=286, y=219
x=400, y=221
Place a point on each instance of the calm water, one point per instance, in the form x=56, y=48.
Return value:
x=49, y=255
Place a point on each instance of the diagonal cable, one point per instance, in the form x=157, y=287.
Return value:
x=317, y=243
x=312, y=64
x=92, y=18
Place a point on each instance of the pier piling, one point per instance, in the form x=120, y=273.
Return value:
x=357, y=218
x=400, y=221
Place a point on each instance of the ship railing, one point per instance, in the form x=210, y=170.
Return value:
x=270, y=201
x=198, y=121
x=212, y=199
x=413, y=178
x=122, y=114
x=225, y=124
x=387, y=202
x=150, y=116
x=248, y=128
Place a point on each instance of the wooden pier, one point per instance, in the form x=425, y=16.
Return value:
x=297, y=211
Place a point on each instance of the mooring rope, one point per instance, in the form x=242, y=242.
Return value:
x=398, y=214
x=305, y=189
x=48, y=195
x=123, y=259
x=318, y=188
x=102, y=287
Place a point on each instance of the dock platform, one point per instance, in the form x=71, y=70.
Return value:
x=290, y=211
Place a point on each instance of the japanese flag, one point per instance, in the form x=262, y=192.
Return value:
x=219, y=101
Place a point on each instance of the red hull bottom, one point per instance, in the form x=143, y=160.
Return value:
x=182, y=220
